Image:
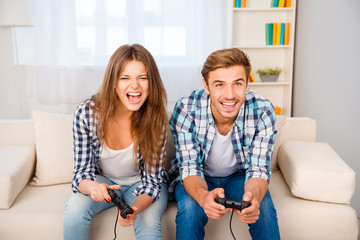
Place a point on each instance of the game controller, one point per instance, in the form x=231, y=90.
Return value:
x=123, y=207
x=233, y=204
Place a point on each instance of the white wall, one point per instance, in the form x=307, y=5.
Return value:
x=10, y=99
x=327, y=81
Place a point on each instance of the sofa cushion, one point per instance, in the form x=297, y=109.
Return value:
x=304, y=219
x=17, y=164
x=54, y=149
x=314, y=171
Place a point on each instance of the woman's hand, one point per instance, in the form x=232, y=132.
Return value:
x=100, y=192
x=129, y=220
x=97, y=191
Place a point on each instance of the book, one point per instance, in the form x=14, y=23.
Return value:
x=251, y=78
x=287, y=33
x=237, y=3
x=281, y=3
x=276, y=3
x=282, y=32
x=269, y=33
x=288, y=3
x=276, y=33
x=243, y=3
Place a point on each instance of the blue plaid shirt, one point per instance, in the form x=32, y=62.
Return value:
x=193, y=127
x=87, y=149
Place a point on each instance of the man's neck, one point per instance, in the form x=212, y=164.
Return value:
x=224, y=127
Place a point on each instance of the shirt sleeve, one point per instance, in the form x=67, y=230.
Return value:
x=261, y=150
x=151, y=180
x=84, y=166
x=188, y=152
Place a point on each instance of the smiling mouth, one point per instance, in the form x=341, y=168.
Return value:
x=134, y=98
x=228, y=105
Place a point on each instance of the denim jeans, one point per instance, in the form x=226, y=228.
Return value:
x=191, y=218
x=80, y=210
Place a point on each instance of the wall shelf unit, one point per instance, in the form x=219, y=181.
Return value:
x=249, y=35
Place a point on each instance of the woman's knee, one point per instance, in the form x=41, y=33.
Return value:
x=81, y=207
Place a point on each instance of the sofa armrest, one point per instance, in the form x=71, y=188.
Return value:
x=17, y=166
x=314, y=171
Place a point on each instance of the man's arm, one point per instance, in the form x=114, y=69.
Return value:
x=255, y=190
x=197, y=188
x=259, y=172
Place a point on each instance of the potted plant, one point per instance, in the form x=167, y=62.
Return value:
x=268, y=74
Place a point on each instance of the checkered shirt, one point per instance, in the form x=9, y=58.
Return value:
x=193, y=127
x=87, y=149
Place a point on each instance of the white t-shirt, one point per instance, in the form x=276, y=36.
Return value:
x=221, y=161
x=119, y=165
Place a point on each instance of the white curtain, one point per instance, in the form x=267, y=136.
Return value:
x=66, y=52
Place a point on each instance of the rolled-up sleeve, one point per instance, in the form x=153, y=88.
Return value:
x=260, y=153
x=186, y=143
x=84, y=166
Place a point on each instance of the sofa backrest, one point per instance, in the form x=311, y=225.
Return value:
x=302, y=129
x=17, y=132
x=22, y=132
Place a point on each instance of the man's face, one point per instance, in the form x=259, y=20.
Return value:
x=227, y=89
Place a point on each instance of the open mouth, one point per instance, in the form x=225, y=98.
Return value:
x=228, y=105
x=134, y=98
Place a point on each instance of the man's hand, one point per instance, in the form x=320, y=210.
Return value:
x=251, y=214
x=197, y=188
x=212, y=209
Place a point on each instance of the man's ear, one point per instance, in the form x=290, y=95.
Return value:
x=247, y=84
x=206, y=87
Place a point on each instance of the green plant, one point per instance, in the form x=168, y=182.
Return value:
x=269, y=71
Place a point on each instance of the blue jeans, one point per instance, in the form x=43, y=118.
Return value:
x=191, y=218
x=80, y=210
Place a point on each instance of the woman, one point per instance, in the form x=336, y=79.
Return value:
x=119, y=143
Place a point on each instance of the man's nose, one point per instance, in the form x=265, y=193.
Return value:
x=229, y=92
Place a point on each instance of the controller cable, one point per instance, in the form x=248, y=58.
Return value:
x=232, y=213
x=117, y=217
x=116, y=220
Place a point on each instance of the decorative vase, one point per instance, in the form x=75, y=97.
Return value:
x=269, y=78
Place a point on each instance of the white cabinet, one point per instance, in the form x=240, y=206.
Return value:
x=249, y=35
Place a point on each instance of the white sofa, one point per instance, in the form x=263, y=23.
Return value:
x=311, y=185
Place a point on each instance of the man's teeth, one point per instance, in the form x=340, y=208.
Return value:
x=134, y=94
x=229, y=104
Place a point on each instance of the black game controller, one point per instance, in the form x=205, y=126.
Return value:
x=233, y=204
x=123, y=207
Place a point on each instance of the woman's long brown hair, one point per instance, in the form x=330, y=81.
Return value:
x=148, y=123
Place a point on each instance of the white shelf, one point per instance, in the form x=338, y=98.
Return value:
x=248, y=34
x=259, y=46
x=269, y=84
x=262, y=9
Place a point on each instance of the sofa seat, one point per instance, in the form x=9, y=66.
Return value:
x=39, y=211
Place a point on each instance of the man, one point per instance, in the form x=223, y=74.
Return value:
x=224, y=138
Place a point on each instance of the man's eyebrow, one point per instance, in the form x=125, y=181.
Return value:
x=218, y=81
x=239, y=80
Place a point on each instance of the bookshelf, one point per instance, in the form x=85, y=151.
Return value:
x=249, y=35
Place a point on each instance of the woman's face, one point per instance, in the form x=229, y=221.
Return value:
x=133, y=86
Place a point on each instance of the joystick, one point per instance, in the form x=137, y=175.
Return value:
x=123, y=207
x=233, y=204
